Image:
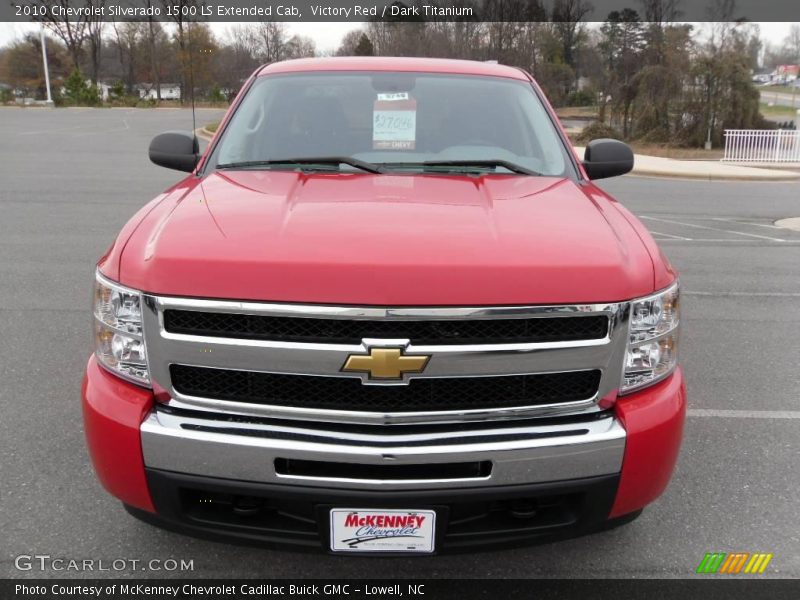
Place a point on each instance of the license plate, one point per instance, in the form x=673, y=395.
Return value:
x=372, y=530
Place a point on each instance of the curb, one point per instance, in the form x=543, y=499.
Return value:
x=792, y=176
x=204, y=133
x=792, y=223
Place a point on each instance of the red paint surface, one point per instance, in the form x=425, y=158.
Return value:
x=397, y=64
x=653, y=420
x=387, y=240
x=113, y=410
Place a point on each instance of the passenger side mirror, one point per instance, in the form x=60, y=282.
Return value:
x=607, y=158
x=175, y=150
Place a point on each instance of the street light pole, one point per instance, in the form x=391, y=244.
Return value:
x=46, y=69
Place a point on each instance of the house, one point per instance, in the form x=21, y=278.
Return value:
x=103, y=90
x=169, y=91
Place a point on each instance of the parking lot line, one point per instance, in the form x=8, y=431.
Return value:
x=744, y=294
x=743, y=414
x=734, y=242
x=753, y=235
x=669, y=235
x=729, y=220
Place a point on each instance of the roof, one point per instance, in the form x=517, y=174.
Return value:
x=380, y=63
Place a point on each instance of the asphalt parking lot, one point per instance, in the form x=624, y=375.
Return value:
x=71, y=178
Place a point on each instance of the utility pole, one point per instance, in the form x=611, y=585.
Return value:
x=46, y=69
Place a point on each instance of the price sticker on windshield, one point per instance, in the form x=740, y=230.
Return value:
x=394, y=122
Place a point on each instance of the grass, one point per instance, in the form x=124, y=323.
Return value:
x=666, y=151
x=781, y=89
x=779, y=111
x=212, y=127
x=572, y=112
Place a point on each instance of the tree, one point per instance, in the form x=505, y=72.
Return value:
x=178, y=9
x=94, y=35
x=347, y=47
x=299, y=46
x=22, y=64
x=78, y=91
x=196, y=58
x=72, y=33
x=156, y=39
x=128, y=38
x=364, y=46
x=621, y=45
x=791, y=43
x=567, y=16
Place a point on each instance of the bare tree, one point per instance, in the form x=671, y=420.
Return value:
x=792, y=43
x=349, y=42
x=72, y=33
x=94, y=35
x=178, y=10
x=567, y=16
x=127, y=37
x=155, y=33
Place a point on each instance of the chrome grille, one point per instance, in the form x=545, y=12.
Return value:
x=279, y=360
x=340, y=393
x=351, y=331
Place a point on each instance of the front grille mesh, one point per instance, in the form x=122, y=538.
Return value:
x=339, y=393
x=352, y=331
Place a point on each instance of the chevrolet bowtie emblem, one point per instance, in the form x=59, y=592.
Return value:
x=385, y=363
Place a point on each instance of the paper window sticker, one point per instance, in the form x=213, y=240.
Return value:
x=394, y=122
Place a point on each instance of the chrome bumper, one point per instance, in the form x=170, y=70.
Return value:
x=519, y=453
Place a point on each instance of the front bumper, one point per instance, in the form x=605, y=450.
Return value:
x=579, y=472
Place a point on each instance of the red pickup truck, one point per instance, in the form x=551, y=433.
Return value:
x=387, y=312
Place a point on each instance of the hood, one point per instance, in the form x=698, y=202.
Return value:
x=387, y=240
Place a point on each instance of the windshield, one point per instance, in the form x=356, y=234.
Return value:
x=392, y=122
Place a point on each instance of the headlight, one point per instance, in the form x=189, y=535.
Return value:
x=118, y=336
x=652, y=352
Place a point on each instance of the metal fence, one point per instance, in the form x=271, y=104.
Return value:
x=762, y=145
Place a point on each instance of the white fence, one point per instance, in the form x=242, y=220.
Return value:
x=762, y=145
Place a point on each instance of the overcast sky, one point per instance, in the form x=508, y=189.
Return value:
x=328, y=35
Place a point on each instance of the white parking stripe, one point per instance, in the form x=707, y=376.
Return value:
x=729, y=220
x=669, y=235
x=744, y=294
x=763, y=237
x=743, y=414
x=732, y=241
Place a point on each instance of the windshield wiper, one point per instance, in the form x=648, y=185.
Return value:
x=485, y=163
x=305, y=161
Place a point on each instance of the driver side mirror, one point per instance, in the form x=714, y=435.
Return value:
x=175, y=150
x=607, y=158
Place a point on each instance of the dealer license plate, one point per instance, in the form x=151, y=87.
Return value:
x=371, y=530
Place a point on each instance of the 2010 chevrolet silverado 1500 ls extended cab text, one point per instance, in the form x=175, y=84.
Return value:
x=388, y=311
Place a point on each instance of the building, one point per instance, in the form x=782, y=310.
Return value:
x=169, y=91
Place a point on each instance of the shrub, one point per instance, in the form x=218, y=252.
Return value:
x=117, y=90
x=216, y=95
x=598, y=130
x=79, y=92
x=582, y=98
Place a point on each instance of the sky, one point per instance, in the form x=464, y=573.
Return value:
x=328, y=35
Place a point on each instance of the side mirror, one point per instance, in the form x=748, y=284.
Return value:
x=175, y=150
x=607, y=158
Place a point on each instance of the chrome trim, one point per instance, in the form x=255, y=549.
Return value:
x=247, y=451
x=375, y=312
x=321, y=359
x=183, y=401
